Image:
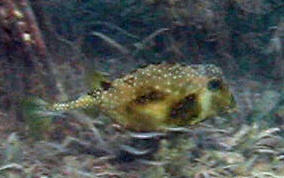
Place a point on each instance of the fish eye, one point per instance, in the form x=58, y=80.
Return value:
x=214, y=85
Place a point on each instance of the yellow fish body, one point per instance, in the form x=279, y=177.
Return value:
x=160, y=96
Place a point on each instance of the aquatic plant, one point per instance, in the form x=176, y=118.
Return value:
x=245, y=151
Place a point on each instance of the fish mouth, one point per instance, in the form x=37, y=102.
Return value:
x=228, y=110
x=231, y=107
x=232, y=110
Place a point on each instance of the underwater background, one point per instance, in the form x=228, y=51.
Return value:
x=57, y=50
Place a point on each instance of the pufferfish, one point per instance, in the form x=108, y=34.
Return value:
x=160, y=96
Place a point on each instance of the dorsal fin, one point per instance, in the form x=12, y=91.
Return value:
x=106, y=85
x=96, y=79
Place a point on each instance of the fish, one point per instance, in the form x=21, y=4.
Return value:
x=159, y=96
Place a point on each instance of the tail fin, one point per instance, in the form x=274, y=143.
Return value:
x=38, y=114
x=38, y=107
x=37, y=118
